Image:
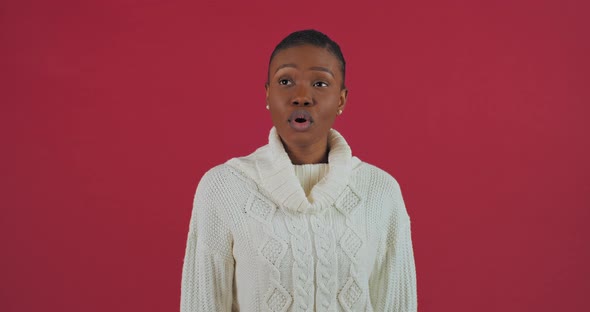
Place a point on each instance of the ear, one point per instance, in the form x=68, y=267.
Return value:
x=343, y=98
x=266, y=89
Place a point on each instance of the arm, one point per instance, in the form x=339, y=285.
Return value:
x=393, y=280
x=208, y=268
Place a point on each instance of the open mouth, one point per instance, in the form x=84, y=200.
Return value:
x=300, y=120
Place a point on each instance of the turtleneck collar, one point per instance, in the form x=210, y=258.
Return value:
x=272, y=170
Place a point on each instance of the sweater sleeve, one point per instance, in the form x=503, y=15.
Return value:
x=208, y=269
x=393, y=280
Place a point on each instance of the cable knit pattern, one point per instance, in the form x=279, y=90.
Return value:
x=303, y=271
x=258, y=242
x=273, y=250
x=351, y=243
x=327, y=262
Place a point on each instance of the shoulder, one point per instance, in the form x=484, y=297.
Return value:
x=215, y=175
x=220, y=194
x=237, y=175
x=221, y=178
x=378, y=178
x=382, y=192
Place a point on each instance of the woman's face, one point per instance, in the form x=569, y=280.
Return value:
x=304, y=94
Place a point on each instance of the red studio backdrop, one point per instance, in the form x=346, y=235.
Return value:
x=111, y=111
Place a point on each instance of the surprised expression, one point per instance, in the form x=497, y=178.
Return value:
x=304, y=94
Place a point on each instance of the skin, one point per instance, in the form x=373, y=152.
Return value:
x=309, y=78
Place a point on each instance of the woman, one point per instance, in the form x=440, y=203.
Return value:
x=300, y=224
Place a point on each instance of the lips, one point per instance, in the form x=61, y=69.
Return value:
x=300, y=120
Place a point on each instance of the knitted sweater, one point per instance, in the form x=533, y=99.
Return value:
x=257, y=242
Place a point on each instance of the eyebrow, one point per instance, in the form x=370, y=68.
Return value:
x=318, y=68
x=324, y=69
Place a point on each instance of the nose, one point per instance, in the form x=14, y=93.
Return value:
x=302, y=96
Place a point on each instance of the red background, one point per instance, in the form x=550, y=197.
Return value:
x=111, y=111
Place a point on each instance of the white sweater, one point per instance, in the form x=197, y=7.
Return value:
x=257, y=243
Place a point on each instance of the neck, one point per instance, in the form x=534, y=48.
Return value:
x=315, y=153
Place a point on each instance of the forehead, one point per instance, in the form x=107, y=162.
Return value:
x=305, y=56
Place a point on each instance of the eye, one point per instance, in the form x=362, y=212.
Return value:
x=285, y=82
x=320, y=84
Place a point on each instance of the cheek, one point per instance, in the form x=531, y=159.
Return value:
x=278, y=96
x=330, y=96
x=328, y=116
x=276, y=99
x=277, y=116
x=329, y=102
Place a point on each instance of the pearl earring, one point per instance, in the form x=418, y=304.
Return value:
x=267, y=107
x=339, y=112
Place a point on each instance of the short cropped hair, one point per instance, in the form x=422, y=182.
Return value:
x=314, y=38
